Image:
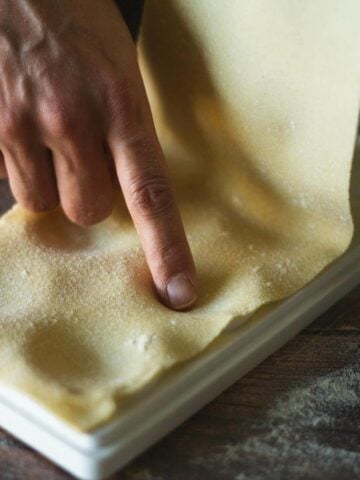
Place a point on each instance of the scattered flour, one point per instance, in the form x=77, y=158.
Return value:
x=278, y=451
x=281, y=268
x=142, y=342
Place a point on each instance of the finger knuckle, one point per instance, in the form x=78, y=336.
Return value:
x=151, y=197
x=81, y=217
x=90, y=214
x=59, y=117
x=125, y=104
x=60, y=124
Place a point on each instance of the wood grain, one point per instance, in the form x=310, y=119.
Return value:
x=296, y=416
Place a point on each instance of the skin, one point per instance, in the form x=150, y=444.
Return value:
x=75, y=123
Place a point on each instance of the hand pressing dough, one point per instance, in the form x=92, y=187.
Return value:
x=256, y=106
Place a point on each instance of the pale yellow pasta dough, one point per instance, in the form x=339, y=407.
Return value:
x=256, y=107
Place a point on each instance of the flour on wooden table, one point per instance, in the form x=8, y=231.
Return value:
x=316, y=407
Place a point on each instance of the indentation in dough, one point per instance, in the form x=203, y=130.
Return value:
x=56, y=353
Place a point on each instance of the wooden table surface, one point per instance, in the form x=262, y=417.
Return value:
x=296, y=416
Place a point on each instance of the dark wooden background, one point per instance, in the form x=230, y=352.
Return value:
x=296, y=416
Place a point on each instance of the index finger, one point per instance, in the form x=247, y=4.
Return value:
x=149, y=196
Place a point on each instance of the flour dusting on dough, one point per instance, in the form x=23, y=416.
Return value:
x=142, y=343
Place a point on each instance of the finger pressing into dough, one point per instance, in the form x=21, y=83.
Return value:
x=83, y=180
x=148, y=193
x=150, y=199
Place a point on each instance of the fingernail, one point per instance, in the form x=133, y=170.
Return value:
x=180, y=291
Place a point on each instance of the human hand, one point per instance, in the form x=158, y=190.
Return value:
x=74, y=116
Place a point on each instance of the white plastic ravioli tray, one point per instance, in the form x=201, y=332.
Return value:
x=174, y=398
